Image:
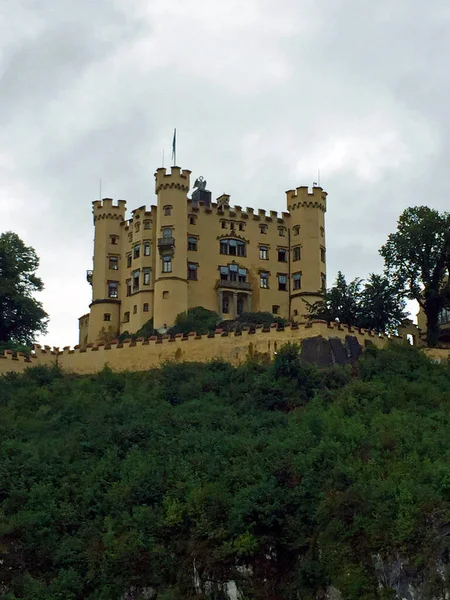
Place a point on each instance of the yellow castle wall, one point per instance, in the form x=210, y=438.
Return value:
x=144, y=354
x=17, y=364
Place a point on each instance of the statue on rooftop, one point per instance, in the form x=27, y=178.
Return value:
x=200, y=183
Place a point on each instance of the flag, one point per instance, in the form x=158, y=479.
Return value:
x=174, y=146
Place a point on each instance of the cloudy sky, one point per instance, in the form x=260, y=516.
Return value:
x=263, y=94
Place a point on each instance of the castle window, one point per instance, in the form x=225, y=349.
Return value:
x=282, y=255
x=323, y=282
x=192, y=271
x=242, y=275
x=136, y=251
x=192, y=219
x=113, y=289
x=223, y=224
x=146, y=248
x=322, y=232
x=136, y=280
x=146, y=273
x=137, y=227
x=233, y=273
x=126, y=317
x=296, y=229
x=275, y=309
x=147, y=225
x=134, y=309
x=322, y=254
x=165, y=295
x=225, y=304
x=297, y=280
x=167, y=232
x=282, y=231
x=107, y=317
x=145, y=307
x=192, y=243
x=167, y=264
x=282, y=282
x=113, y=239
x=263, y=252
x=233, y=247
x=167, y=210
x=297, y=253
x=241, y=226
x=130, y=237
x=128, y=260
x=113, y=262
x=128, y=287
x=263, y=228
x=264, y=280
x=295, y=312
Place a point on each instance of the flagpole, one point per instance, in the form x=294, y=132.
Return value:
x=174, y=147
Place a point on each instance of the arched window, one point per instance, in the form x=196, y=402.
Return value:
x=233, y=247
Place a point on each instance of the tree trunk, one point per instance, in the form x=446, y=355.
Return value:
x=432, y=313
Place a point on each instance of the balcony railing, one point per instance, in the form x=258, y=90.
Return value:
x=235, y=285
x=89, y=276
x=166, y=242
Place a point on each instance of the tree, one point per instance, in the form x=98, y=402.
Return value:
x=21, y=315
x=197, y=319
x=417, y=259
x=376, y=304
x=341, y=302
x=382, y=307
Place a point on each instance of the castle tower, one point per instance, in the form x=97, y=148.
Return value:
x=171, y=284
x=307, y=245
x=104, y=319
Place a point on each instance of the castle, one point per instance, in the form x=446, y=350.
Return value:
x=187, y=252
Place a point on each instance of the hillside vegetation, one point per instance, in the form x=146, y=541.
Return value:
x=170, y=483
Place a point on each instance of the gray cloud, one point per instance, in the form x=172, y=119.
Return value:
x=263, y=94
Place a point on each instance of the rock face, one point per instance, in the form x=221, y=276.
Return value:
x=332, y=351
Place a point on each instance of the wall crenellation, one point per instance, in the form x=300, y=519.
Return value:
x=145, y=353
x=237, y=212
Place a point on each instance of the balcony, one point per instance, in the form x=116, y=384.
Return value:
x=166, y=242
x=234, y=285
x=89, y=276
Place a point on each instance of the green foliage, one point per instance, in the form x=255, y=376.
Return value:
x=417, y=259
x=21, y=315
x=15, y=347
x=260, y=318
x=147, y=330
x=280, y=477
x=198, y=319
x=376, y=304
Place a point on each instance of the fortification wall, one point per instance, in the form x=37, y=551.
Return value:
x=144, y=354
x=234, y=348
x=11, y=363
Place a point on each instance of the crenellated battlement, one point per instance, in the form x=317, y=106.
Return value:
x=302, y=197
x=175, y=179
x=237, y=212
x=142, y=354
x=106, y=209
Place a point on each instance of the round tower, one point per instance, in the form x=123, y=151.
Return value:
x=307, y=248
x=104, y=318
x=171, y=284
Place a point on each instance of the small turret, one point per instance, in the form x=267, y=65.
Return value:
x=308, y=250
x=105, y=277
x=171, y=287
